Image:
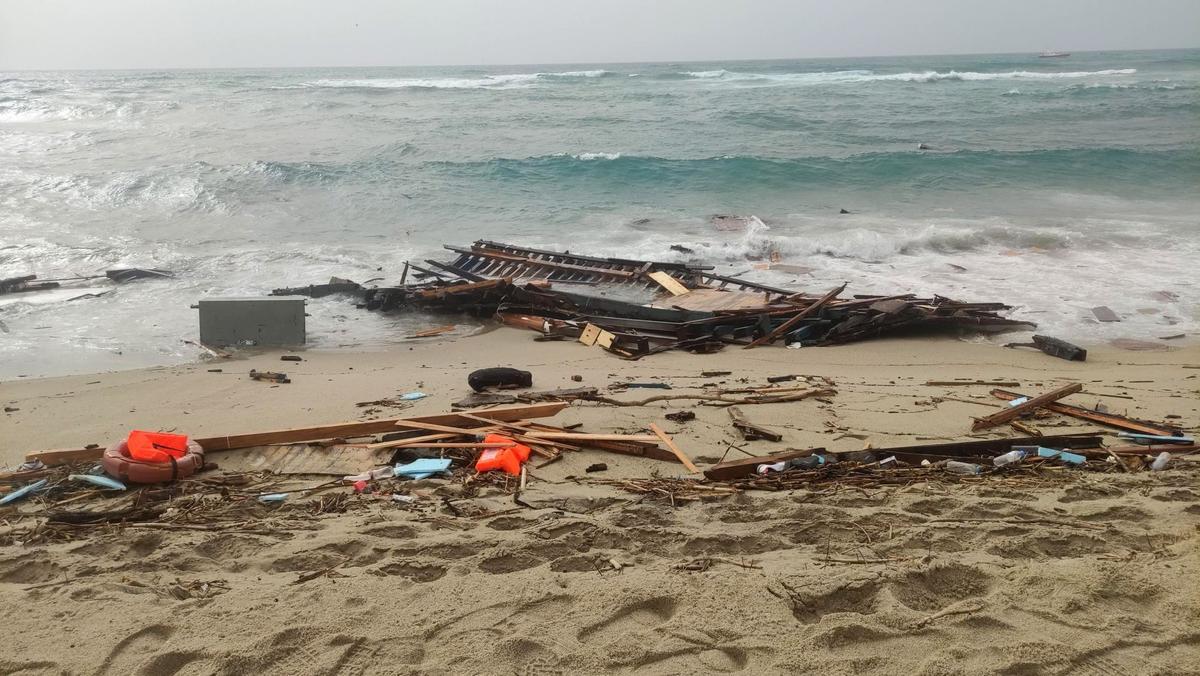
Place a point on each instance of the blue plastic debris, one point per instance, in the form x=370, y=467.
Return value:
x=413, y=396
x=422, y=468
x=273, y=497
x=23, y=491
x=1069, y=458
x=1150, y=439
x=98, y=480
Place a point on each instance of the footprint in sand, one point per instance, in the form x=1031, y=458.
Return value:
x=146, y=651
x=648, y=613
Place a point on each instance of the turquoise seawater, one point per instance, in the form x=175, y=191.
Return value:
x=1059, y=184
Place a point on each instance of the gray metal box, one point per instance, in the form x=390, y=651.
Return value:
x=274, y=321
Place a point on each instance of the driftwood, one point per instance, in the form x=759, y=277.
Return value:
x=722, y=401
x=750, y=431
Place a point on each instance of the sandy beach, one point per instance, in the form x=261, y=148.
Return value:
x=1066, y=573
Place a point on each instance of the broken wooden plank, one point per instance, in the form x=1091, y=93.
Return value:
x=670, y=444
x=750, y=431
x=668, y=282
x=66, y=456
x=433, y=427
x=335, y=431
x=953, y=383
x=989, y=447
x=1014, y=412
x=435, y=331
x=744, y=467
x=582, y=436
x=1055, y=348
x=1110, y=419
x=806, y=312
x=410, y=441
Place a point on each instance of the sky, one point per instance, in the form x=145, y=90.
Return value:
x=118, y=34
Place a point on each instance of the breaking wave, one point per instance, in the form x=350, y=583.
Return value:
x=503, y=81
x=23, y=109
x=860, y=76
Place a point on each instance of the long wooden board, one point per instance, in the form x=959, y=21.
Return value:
x=742, y=467
x=1110, y=419
x=1014, y=412
x=581, y=436
x=670, y=444
x=339, y=430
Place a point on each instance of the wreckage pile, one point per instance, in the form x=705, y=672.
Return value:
x=675, y=306
x=378, y=457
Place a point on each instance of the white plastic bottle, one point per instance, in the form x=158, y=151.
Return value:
x=1011, y=458
x=963, y=467
x=1160, y=463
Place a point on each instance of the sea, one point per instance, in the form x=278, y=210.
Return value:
x=1053, y=184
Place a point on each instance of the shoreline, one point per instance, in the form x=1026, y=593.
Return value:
x=71, y=411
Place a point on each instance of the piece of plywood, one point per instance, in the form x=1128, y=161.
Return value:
x=590, y=333
x=713, y=300
x=1105, y=314
x=669, y=283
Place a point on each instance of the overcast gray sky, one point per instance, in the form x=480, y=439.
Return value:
x=53, y=34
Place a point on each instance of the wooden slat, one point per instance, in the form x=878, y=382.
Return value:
x=433, y=427
x=669, y=283
x=339, y=430
x=670, y=444
x=806, y=312
x=410, y=441
x=65, y=456
x=1014, y=412
x=1110, y=419
x=581, y=436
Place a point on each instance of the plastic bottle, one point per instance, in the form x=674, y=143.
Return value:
x=377, y=473
x=1011, y=458
x=963, y=467
x=767, y=468
x=1160, y=463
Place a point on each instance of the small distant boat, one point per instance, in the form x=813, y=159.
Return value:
x=1053, y=55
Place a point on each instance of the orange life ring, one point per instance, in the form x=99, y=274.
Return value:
x=119, y=464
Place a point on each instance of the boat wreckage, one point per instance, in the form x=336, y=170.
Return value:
x=636, y=308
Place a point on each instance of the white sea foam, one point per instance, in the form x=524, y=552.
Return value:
x=576, y=73
x=502, y=81
x=597, y=156
x=857, y=76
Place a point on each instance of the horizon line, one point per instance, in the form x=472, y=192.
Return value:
x=584, y=63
